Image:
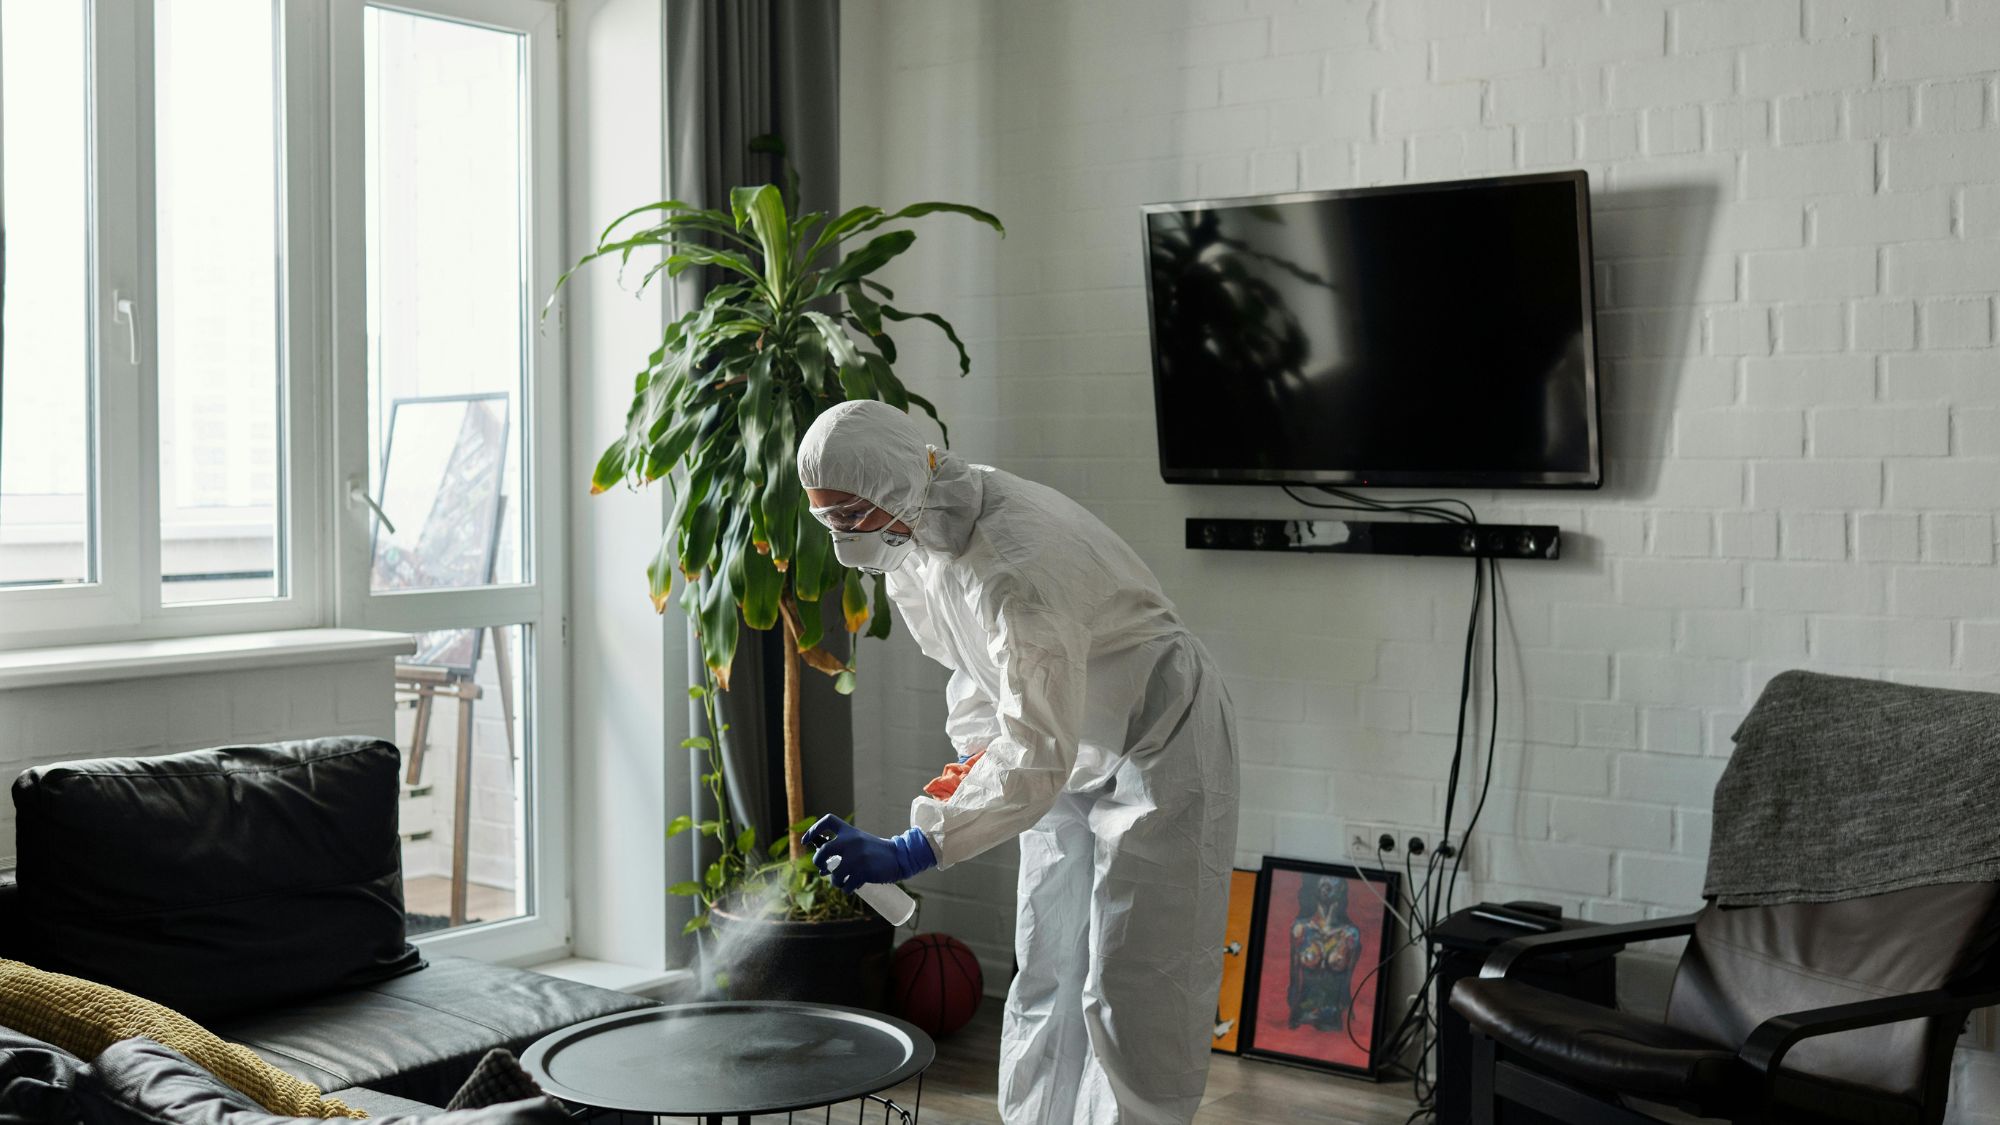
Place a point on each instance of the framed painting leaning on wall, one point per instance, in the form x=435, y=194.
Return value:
x=1321, y=938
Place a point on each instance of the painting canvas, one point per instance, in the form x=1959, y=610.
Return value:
x=1321, y=934
x=1235, y=961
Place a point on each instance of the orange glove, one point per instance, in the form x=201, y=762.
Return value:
x=946, y=783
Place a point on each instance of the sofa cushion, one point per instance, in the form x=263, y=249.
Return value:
x=86, y=1018
x=36, y=1080
x=219, y=881
x=140, y=1082
x=419, y=1036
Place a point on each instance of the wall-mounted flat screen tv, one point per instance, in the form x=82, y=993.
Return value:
x=1428, y=334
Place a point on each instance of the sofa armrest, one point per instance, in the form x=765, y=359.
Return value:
x=1506, y=958
x=1764, y=1051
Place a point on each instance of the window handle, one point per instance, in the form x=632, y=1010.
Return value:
x=359, y=494
x=121, y=313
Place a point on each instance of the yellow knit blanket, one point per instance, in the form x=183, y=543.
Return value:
x=84, y=1017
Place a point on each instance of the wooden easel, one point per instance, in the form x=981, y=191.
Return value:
x=428, y=682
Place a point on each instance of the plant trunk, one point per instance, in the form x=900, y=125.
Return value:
x=795, y=785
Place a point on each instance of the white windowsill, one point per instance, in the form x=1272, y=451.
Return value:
x=131, y=660
x=614, y=976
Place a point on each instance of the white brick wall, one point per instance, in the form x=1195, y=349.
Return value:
x=1797, y=210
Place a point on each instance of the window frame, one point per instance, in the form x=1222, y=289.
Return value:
x=538, y=599
x=124, y=600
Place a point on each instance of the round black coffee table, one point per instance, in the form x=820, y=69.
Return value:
x=732, y=1058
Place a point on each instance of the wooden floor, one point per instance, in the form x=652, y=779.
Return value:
x=959, y=1089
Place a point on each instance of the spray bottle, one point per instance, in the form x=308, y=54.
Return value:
x=886, y=899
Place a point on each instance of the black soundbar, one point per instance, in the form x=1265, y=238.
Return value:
x=1378, y=537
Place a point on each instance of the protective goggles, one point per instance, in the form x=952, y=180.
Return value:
x=848, y=515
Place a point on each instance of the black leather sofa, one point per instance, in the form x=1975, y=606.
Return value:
x=258, y=890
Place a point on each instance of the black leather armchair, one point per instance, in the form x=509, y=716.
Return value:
x=1817, y=1012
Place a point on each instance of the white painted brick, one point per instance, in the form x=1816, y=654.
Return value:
x=1621, y=530
x=1979, y=645
x=1882, y=431
x=1278, y=790
x=1631, y=34
x=1809, y=119
x=1719, y=24
x=1746, y=535
x=1814, y=536
x=1610, y=136
x=1691, y=831
x=1952, y=106
x=1487, y=55
x=1374, y=68
x=1672, y=730
x=1675, y=583
x=1956, y=322
x=1927, y=269
x=1882, y=642
x=1319, y=27
x=1812, y=328
x=1815, y=587
x=1791, y=275
x=1944, y=483
x=1739, y=635
x=1378, y=162
x=1232, y=41
x=1846, y=168
x=1950, y=592
x=1542, y=13
x=1310, y=120
x=1666, y=779
x=1683, y=535
x=1424, y=109
x=1670, y=81
x=1568, y=867
x=1932, y=52
x=1547, y=142
x=1672, y=129
x=1964, y=538
x=1614, y=726
x=1566, y=675
x=1884, y=326
x=1396, y=799
x=1274, y=171
x=1689, y=483
x=1671, y=281
x=1442, y=155
x=1613, y=628
x=1610, y=824
x=1880, y=112
x=1661, y=879
x=1735, y=330
x=1271, y=79
x=1740, y=433
x=1911, y=163
x=1562, y=769
x=1794, y=68
x=1535, y=97
x=1981, y=212
x=1384, y=710
x=1957, y=377
x=1793, y=381
x=1825, y=18
x=1975, y=431
x=1886, y=537
x=1646, y=333
x=1433, y=19
x=1816, y=484
x=1738, y=125
x=1645, y=677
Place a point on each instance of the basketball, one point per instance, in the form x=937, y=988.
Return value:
x=936, y=982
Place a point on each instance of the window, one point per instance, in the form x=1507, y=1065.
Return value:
x=271, y=359
x=48, y=471
x=216, y=205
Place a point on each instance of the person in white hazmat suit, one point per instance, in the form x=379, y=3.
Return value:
x=1099, y=732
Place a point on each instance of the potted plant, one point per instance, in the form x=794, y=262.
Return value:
x=717, y=412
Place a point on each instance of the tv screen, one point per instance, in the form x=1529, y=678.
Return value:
x=1432, y=334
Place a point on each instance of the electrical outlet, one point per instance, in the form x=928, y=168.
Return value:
x=1362, y=838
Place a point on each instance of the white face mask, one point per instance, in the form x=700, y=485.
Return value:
x=875, y=552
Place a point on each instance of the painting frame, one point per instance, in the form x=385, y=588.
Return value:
x=1267, y=1039
x=1227, y=1038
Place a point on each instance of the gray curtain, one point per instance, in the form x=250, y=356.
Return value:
x=738, y=69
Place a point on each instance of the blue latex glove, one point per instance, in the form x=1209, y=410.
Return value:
x=865, y=857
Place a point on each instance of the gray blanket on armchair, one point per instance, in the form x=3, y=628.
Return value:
x=1841, y=788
